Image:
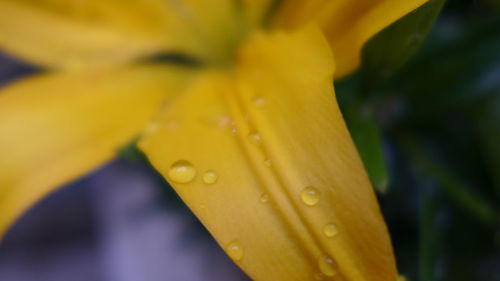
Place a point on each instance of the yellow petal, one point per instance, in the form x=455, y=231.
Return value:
x=76, y=34
x=56, y=127
x=263, y=157
x=347, y=24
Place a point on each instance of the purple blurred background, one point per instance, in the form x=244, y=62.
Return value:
x=120, y=223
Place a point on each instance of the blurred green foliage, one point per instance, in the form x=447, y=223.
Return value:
x=389, y=50
x=367, y=136
x=424, y=111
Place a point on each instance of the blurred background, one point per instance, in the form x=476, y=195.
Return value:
x=424, y=111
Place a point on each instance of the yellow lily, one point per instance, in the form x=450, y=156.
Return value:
x=252, y=139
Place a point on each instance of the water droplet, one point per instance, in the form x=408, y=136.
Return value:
x=152, y=127
x=330, y=230
x=182, y=172
x=235, y=250
x=310, y=196
x=327, y=266
x=215, y=116
x=210, y=177
x=264, y=198
x=254, y=137
x=268, y=162
x=223, y=121
x=319, y=276
x=259, y=101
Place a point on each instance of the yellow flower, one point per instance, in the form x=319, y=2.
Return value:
x=251, y=139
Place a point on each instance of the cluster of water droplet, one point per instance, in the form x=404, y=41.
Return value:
x=183, y=172
x=310, y=196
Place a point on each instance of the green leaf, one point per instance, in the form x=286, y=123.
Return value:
x=489, y=134
x=495, y=4
x=367, y=137
x=460, y=72
x=457, y=190
x=429, y=237
x=360, y=118
x=389, y=50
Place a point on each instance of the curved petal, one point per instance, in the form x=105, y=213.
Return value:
x=56, y=127
x=347, y=24
x=76, y=34
x=264, y=159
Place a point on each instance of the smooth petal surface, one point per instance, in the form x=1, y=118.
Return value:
x=347, y=24
x=262, y=156
x=77, y=34
x=56, y=127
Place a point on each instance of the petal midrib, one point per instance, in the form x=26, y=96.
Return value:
x=273, y=182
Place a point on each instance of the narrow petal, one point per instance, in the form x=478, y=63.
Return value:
x=347, y=24
x=264, y=159
x=76, y=34
x=56, y=127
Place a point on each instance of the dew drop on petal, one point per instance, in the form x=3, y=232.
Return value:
x=327, y=266
x=330, y=230
x=223, y=121
x=215, y=116
x=259, y=101
x=310, y=196
x=210, y=177
x=182, y=172
x=254, y=137
x=235, y=250
x=152, y=127
x=264, y=198
x=319, y=276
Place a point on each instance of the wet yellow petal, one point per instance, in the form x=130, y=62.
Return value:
x=56, y=127
x=263, y=157
x=347, y=24
x=76, y=34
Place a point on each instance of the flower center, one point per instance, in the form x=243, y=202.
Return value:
x=217, y=34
